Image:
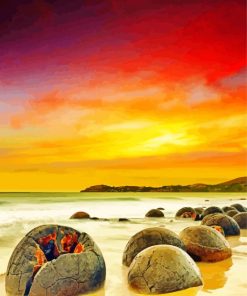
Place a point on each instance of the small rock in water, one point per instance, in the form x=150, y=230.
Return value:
x=123, y=220
x=80, y=215
x=162, y=269
x=155, y=213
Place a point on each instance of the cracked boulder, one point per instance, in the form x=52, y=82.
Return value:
x=203, y=243
x=186, y=212
x=55, y=260
x=229, y=225
x=149, y=237
x=162, y=269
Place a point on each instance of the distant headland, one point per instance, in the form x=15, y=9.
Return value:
x=235, y=185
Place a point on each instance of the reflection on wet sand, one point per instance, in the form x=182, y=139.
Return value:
x=186, y=292
x=100, y=292
x=213, y=274
x=239, y=243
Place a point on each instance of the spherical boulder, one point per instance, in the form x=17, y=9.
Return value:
x=204, y=243
x=241, y=219
x=149, y=237
x=239, y=207
x=229, y=225
x=227, y=209
x=162, y=269
x=155, y=213
x=211, y=210
x=185, y=212
x=80, y=215
x=123, y=220
x=232, y=213
x=55, y=260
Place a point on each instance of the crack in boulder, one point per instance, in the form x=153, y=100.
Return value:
x=46, y=262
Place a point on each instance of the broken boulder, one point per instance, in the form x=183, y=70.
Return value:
x=55, y=260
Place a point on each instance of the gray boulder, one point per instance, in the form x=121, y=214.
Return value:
x=149, y=237
x=155, y=213
x=239, y=207
x=232, y=213
x=241, y=219
x=229, y=225
x=212, y=210
x=204, y=243
x=162, y=269
x=227, y=209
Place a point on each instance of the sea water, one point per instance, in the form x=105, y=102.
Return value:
x=20, y=212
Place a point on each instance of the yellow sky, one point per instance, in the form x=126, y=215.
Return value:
x=139, y=94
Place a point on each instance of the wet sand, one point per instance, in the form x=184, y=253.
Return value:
x=226, y=278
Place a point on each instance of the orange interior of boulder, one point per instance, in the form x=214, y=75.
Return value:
x=69, y=243
x=48, y=250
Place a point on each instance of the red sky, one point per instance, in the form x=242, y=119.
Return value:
x=121, y=92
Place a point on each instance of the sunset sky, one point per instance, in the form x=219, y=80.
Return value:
x=133, y=92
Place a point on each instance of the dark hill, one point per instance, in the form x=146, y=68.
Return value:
x=240, y=180
x=235, y=185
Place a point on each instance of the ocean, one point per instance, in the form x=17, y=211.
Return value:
x=20, y=212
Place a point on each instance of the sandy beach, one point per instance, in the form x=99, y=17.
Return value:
x=20, y=215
